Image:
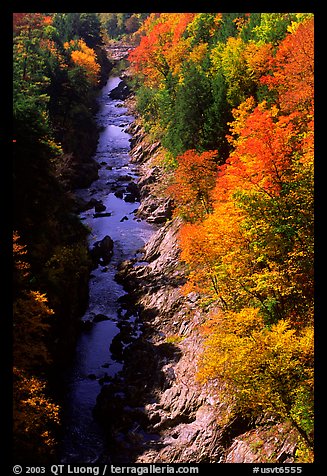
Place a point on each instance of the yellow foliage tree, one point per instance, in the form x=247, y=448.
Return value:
x=265, y=369
x=35, y=416
x=31, y=325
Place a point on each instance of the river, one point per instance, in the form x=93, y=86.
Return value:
x=83, y=440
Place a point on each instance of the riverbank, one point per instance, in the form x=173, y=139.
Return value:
x=155, y=410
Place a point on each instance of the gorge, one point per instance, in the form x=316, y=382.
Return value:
x=163, y=238
x=136, y=360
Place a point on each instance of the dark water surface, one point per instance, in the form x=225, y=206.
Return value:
x=83, y=438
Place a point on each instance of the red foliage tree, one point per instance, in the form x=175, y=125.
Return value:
x=262, y=150
x=293, y=70
x=162, y=48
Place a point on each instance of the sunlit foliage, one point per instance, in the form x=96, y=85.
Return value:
x=265, y=369
x=84, y=57
x=244, y=87
x=194, y=179
x=36, y=418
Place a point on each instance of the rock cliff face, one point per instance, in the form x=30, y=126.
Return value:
x=156, y=411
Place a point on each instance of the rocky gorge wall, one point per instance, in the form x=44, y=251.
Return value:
x=155, y=410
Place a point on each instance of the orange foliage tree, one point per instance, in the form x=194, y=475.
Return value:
x=194, y=179
x=253, y=254
x=162, y=48
x=293, y=70
x=247, y=237
x=29, y=21
x=263, y=147
x=85, y=58
x=208, y=247
x=258, y=226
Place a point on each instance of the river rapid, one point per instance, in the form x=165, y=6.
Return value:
x=94, y=363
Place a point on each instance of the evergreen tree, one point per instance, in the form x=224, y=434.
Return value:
x=187, y=127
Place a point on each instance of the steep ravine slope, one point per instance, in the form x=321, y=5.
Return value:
x=156, y=411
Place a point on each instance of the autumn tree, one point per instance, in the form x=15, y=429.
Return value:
x=257, y=226
x=231, y=61
x=243, y=84
x=84, y=57
x=263, y=369
x=163, y=47
x=253, y=254
x=273, y=27
x=204, y=27
x=194, y=178
x=293, y=69
x=48, y=87
x=35, y=415
x=36, y=419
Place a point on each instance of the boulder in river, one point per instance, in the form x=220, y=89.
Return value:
x=119, y=193
x=129, y=197
x=99, y=206
x=121, y=92
x=132, y=193
x=100, y=318
x=101, y=215
x=102, y=251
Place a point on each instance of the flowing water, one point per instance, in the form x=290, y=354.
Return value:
x=83, y=440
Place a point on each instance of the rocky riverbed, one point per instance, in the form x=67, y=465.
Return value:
x=154, y=410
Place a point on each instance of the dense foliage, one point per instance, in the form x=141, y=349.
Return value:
x=120, y=25
x=230, y=96
x=58, y=65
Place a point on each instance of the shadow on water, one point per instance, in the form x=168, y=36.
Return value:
x=121, y=405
